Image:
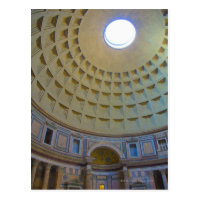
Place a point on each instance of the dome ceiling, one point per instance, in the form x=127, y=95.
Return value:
x=82, y=83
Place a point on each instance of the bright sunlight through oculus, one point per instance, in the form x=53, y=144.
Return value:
x=119, y=34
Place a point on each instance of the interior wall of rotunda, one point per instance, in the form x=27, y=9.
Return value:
x=99, y=115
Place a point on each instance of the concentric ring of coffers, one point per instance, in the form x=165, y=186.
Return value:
x=69, y=87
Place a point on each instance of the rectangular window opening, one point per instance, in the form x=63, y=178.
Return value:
x=76, y=146
x=48, y=136
x=162, y=145
x=133, y=150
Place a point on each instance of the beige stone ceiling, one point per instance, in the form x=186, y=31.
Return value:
x=81, y=82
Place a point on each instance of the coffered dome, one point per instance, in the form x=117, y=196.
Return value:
x=82, y=83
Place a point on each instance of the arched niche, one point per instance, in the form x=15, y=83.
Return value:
x=104, y=156
x=105, y=145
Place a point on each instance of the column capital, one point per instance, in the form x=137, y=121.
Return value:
x=59, y=169
x=89, y=159
x=88, y=167
x=150, y=172
x=48, y=165
x=35, y=162
x=125, y=168
x=162, y=171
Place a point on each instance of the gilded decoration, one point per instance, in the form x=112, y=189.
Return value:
x=104, y=156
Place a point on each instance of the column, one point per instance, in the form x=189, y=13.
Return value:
x=151, y=179
x=129, y=175
x=94, y=182
x=126, y=179
x=109, y=182
x=33, y=171
x=164, y=178
x=88, y=177
x=46, y=176
x=59, y=177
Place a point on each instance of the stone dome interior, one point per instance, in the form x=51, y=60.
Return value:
x=80, y=82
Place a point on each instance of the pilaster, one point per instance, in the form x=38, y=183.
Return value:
x=59, y=177
x=126, y=178
x=88, y=177
x=151, y=179
x=164, y=178
x=46, y=176
x=33, y=171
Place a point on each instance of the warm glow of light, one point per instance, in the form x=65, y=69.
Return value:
x=119, y=34
x=101, y=187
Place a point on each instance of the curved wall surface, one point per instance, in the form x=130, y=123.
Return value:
x=99, y=116
x=149, y=154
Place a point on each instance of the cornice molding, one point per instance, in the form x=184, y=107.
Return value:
x=83, y=161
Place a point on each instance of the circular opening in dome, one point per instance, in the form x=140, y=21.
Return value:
x=119, y=33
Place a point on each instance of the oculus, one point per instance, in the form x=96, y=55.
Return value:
x=119, y=33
